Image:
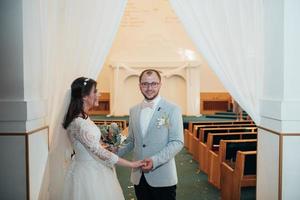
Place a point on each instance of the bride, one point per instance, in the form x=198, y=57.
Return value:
x=91, y=175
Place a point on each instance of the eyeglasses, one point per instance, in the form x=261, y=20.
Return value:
x=146, y=84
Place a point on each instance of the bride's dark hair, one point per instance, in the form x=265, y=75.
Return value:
x=80, y=88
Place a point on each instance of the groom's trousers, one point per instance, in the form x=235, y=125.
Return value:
x=144, y=191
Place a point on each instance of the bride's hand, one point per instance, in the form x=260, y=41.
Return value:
x=137, y=164
x=111, y=148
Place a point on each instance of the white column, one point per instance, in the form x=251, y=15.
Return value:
x=115, y=89
x=193, y=90
x=23, y=131
x=278, y=163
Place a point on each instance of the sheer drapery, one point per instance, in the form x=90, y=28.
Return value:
x=78, y=35
x=229, y=33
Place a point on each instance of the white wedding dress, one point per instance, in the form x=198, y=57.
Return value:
x=91, y=174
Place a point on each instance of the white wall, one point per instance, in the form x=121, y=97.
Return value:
x=174, y=89
x=129, y=95
x=291, y=166
x=38, y=156
x=208, y=80
x=150, y=32
x=125, y=91
x=267, y=165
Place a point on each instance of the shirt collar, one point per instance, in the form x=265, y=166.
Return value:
x=155, y=101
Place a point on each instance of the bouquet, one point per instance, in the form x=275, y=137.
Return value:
x=111, y=135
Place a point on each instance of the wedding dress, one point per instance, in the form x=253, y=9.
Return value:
x=91, y=174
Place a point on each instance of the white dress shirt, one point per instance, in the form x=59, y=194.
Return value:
x=146, y=115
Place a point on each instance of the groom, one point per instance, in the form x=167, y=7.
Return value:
x=155, y=136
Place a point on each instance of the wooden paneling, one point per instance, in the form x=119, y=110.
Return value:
x=104, y=105
x=211, y=102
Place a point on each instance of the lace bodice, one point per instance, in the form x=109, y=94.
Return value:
x=83, y=132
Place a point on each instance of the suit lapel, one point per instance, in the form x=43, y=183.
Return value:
x=138, y=114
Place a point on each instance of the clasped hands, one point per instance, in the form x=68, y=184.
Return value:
x=146, y=165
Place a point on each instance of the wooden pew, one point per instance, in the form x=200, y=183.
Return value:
x=202, y=123
x=189, y=131
x=194, y=149
x=241, y=174
x=194, y=128
x=186, y=138
x=213, y=159
x=203, y=165
x=227, y=152
x=121, y=123
x=193, y=124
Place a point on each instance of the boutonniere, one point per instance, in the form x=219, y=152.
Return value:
x=163, y=121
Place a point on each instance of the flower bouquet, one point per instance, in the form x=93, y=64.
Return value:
x=111, y=135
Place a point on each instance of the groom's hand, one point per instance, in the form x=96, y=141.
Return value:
x=148, y=165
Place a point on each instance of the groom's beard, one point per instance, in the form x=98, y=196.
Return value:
x=150, y=99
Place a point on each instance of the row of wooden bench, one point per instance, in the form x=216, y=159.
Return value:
x=226, y=152
x=121, y=123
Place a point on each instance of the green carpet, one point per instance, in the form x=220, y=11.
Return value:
x=192, y=184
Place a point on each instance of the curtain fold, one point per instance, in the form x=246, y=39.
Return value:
x=77, y=38
x=229, y=33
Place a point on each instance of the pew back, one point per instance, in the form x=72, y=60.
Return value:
x=206, y=131
x=229, y=148
x=198, y=129
x=121, y=123
x=193, y=123
x=213, y=140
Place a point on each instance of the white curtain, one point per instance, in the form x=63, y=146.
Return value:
x=229, y=33
x=78, y=36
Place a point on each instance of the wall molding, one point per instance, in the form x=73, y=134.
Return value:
x=281, y=137
x=189, y=72
x=22, y=110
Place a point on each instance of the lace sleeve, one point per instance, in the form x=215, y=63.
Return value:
x=89, y=139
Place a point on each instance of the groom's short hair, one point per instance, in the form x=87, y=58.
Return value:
x=149, y=72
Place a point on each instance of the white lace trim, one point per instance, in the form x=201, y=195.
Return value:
x=88, y=134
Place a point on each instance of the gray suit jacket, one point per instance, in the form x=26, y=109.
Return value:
x=161, y=143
